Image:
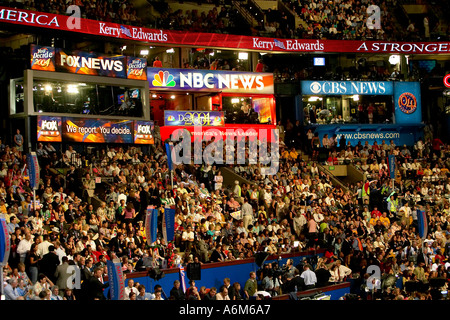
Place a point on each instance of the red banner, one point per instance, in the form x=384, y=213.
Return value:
x=169, y=38
x=234, y=131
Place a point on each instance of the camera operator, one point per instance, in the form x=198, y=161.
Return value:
x=271, y=283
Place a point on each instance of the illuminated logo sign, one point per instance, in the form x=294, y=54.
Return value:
x=92, y=63
x=407, y=102
x=347, y=87
x=210, y=80
x=136, y=68
x=163, y=79
x=315, y=87
x=49, y=129
x=447, y=81
x=193, y=118
x=49, y=125
x=143, y=132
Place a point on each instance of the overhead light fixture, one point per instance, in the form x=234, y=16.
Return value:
x=235, y=100
x=172, y=97
x=243, y=55
x=154, y=95
x=48, y=87
x=171, y=50
x=394, y=59
x=313, y=99
x=355, y=97
x=72, y=88
x=123, y=48
x=144, y=52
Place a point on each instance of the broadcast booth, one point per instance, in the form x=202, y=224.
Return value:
x=81, y=98
x=228, y=101
x=363, y=110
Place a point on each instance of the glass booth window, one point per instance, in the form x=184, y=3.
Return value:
x=19, y=97
x=86, y=98
x=347, y=109
x=248, y=110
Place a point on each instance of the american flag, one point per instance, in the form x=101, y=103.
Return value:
x=125, y=31
x=182, y=278
x=279, y=44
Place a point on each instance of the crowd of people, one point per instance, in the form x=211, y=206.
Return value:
x=220, y=19
x=95, y=211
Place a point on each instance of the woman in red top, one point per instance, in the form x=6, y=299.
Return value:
x=157, y=63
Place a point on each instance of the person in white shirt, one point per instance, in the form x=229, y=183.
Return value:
x=69, y=153
x=43, y=245
x=130, y=288
x=309, y=277
x=339, y=272
x=24, y=246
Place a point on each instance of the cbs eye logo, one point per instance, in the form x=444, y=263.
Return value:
x=407, y=102
x=315, y=87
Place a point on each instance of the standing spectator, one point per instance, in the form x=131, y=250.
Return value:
x=250, y=286
x=259, y=66
x=18, y=140
x=309, y=277
x=96, y=285
x=157, y=63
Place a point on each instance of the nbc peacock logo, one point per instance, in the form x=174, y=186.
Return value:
x=163, y=79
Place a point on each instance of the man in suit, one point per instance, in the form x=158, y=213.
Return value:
x=49, y=263
x=176, y=292
x=96, y=285
x=62, y=274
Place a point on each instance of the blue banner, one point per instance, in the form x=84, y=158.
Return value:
x=169, y=148
x=423, y=223
x=347, y=87
x=169, y=224
x=116, y=280
x=407, y=101
x=33, y=170
x=391, y=165
x=5, y=242
x=151, y=224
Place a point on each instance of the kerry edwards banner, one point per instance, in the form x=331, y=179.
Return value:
x=35, y=19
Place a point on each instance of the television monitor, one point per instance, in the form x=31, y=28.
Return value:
x=319, y=61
